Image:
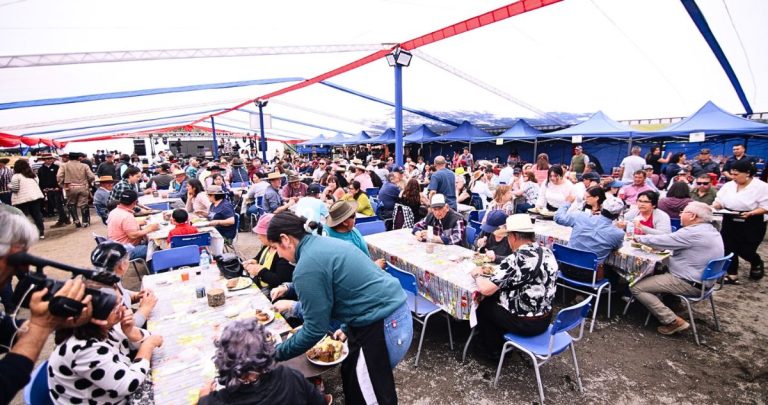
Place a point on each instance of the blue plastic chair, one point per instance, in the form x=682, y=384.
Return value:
x=162, y=206
x=541, y=348
x=362, y=220
x=475, y=225
x=476, y=216
x=36, y=392
x=372, y=192
x=421, y=307
x=98, y=238
x=714, y=271
x=169, y=259
x=585, y=261
x=240, y=184
x=675, y=222
x=471, y=234
x=372, y=227
x=230, y=244
x=201, y=240
x=375, y=205
x=476, y=201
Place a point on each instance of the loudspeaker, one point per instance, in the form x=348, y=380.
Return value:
x=139, y=147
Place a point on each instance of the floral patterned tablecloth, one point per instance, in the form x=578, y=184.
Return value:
x=442, y=276
x=630, y=263
x=188, y=325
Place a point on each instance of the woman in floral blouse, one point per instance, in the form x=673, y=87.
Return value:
x=518, y=296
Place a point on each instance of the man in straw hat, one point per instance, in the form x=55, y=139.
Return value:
x=294, y=189
x=101, y=197
x=361, y=175
x=50, y=187
x=518, y=296
x=178, y=186
x=273, y=202
x=448, y=226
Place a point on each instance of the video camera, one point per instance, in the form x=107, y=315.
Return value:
x=103, y=302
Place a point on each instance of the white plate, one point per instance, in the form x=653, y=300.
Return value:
x=201, y=224
x=271, y=316
x=242, y=287
x=344, y=354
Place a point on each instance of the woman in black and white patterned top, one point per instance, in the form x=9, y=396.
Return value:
x=518, y=296
x=91, y=364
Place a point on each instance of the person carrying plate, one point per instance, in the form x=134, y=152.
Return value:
x=333, y=281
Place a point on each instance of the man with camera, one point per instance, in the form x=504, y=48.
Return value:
x=23, y=341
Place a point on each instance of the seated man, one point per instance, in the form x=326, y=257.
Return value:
x=294, y=189
x=518, y=296
x=693, y=246
x=123, y=227
x=101, y=197
x=178, y=187
x=629, y=192
x=592, y=233
x=388, y=195
x=311, y=206
x=448, y=226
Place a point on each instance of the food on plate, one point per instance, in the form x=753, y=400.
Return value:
x=636, y=245
x=232, y=283
x=327, y=350
x=480, y=258
x=262, y=316
x=488, y=269
x=239, y=283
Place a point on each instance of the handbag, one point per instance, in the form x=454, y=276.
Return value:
x=229, y=265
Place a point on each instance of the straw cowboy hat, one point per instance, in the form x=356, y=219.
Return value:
x=179, y=172
x=340, y=211
x=106, y=179
x=274, y=176
x=214, y=190
x=518, y=223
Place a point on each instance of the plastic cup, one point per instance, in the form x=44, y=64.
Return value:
x=185, y=275
x=430, y=247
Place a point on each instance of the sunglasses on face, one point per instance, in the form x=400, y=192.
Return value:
x=704, y=183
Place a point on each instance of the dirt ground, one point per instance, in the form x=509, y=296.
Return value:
x=621, y=362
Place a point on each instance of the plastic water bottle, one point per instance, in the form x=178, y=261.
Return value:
x=630, y=229
x=205, y=261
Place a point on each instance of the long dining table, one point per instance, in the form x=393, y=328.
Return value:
x=184, y=363
x=443, y=275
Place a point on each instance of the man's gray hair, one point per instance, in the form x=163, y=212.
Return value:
x=244, y=346
x=391, y=177
x=702, y=211
x=17, y=230
x=635, y=150
x=440, y=161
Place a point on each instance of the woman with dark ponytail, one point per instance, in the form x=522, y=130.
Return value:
x=336, y=282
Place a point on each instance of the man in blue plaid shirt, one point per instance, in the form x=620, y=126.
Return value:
x=448, y=226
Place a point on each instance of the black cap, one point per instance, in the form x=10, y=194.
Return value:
x=107, y=255
x=314, y=189
x=128, y=197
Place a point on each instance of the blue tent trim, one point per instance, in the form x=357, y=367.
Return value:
x=712, y=120
x=421, y=135
x=466, y=132
x=598, y=125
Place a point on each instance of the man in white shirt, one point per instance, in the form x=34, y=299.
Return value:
x=631, y=164
x=505, y=175
x=319, y=170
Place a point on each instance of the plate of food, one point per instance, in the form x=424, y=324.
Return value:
x=480, y=259
x=264, y=316
x=240, y=283
x=328, y=352
x=488, y=269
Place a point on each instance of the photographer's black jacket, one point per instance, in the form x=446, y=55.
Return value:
x=15, y=370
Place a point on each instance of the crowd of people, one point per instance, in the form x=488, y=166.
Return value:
x=305, y=211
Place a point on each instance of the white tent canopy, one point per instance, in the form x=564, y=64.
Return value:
x=629, y=58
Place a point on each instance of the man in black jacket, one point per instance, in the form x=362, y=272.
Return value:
x=50, y=188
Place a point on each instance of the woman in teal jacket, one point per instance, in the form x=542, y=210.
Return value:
x=335, y=282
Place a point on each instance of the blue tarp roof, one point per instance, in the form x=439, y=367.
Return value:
x=521, y=131
x=466, y=132
x=712, y=120
x=387, y=136
x=361, y=139
x=598, y=125
x=314, y=141
x=421, y=135
x=339, y=139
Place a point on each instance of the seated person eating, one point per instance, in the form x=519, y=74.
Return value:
x=448, y=226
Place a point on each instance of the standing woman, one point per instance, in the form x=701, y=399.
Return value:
x=26, y=193
x=655, y=159
x=742, y=233
x=335, y=282
x=541, y=170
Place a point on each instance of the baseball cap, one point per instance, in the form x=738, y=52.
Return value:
x=613, y=205
x=106, y=255
x=705, y=151
x=314, y=189
x=438, y=201
x=591, y=176
x=616, y=184
x=493, y=220
x=646, y=167
x=128, y=197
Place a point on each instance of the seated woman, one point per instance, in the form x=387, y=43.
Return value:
x=479, y=186
x=221, y=213
x=92, y=363
x=678, y=196
x=527, y=188
x=218, y=180
x=412, y=197
x=197, y=201
x=462, y=192
x=113, y=257
x=593, y=201
x=648, y=219
x=502, y=201
x=359, y=196
x=554, y=192
x=245, y=360
x=332, y=191
x=493, y=244
x=267, y=268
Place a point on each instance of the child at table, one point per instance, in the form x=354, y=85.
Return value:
x=180, y=218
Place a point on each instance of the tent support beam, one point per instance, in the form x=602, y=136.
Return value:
x=701, y=23
x=215, y=143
